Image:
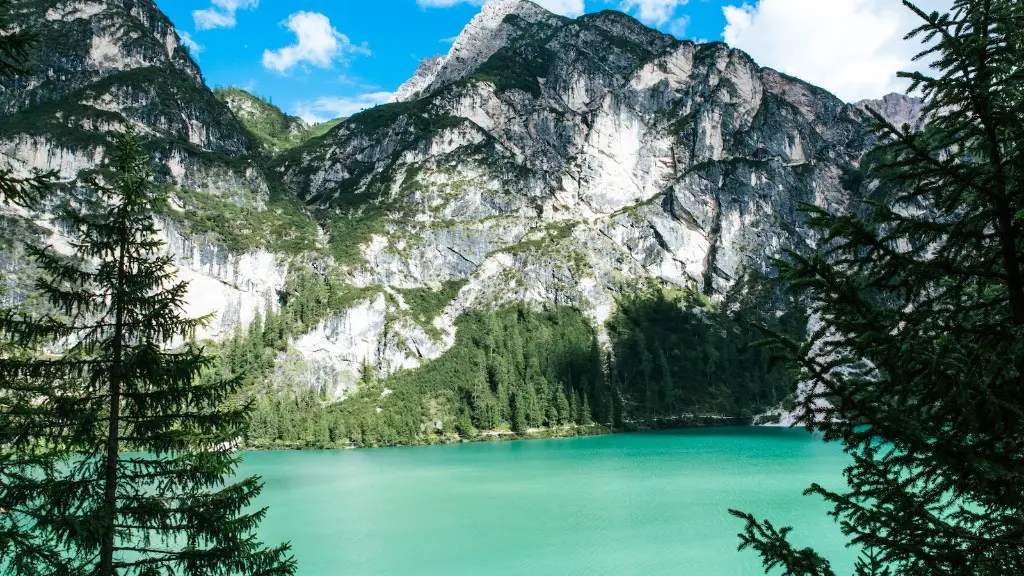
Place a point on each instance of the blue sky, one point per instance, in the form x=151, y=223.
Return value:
x=324, y=58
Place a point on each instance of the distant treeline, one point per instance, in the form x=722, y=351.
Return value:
x=672, y=359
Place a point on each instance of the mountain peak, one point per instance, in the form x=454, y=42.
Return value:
x=898, y=109
x=485, y=34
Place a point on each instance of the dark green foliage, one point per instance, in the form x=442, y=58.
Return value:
x=282, y=226
x=24, y=191
x=507, y=368
x=117, y=447
x=426, y=304
x=296, y=417
x=773, y=545
x=349, y=231
x=384, y=116
x=511, y=369
x=917, y=366
x=517, y=68
x=310, y=296
x=14, y=46
x=275, y=130
x=286, y=412
x=518, y=370
x=416, y=113
x=676, y=361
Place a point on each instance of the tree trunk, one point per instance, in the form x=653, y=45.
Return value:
x=106, y=567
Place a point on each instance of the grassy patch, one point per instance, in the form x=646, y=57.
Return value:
x=282, y=227
x=347, y=232
x=554, y=233
x=275, y=130
x=318, y=130
x=517, y=68
x=426, y=304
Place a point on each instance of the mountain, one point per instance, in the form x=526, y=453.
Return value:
x=275, y=130
x=571, y=161
x=99, y=64
x=96, y=66
x=589, y=164
x=899, y=109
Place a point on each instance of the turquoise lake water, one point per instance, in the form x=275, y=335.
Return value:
x=646, y=504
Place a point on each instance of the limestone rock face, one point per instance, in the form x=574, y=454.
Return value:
x=99, y=64
x=487, y=33
x=231, y=286
x=899, y=109
x=608, y=159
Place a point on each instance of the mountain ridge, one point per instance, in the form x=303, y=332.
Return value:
x=100, y=64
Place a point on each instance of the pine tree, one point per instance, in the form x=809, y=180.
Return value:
x=120, y=451
x=919, y=356
x=518, y=422
x=21, y=547
x=562, y=408
x=585, y=416
x=574, y=407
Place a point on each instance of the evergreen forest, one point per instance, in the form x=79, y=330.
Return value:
x=673, y=359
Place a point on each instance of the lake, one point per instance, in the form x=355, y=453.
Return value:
x=648, y=504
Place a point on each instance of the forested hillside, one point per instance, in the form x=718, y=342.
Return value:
x=673, y=359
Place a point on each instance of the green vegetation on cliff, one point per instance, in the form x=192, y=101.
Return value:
x=282, y=226
x=275, y=130
x=673, y=360
x=514, y=368
x=426, y=304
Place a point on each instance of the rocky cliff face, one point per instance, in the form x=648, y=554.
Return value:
x=97, y=65
x=101, y=63
x=570, y=161
x=899, y=109
x=542, y=159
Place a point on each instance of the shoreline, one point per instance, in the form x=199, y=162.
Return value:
x=574, y=431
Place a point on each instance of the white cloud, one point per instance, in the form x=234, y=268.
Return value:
x=853, y=48
x=221, y=13
x=449, y=40
x=657, y=12
x=210, y=18
x=563, y=7
x=329, y=107
x=194, y=47
x=317, y=43
x=678, y=26
x=445, y=3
